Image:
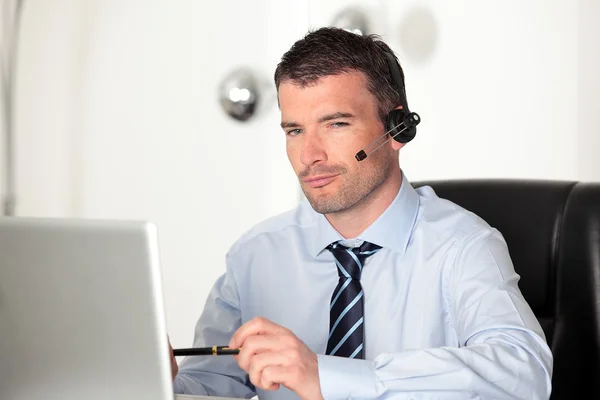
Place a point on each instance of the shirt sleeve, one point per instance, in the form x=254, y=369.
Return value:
x=216, y=376
x=501, y=351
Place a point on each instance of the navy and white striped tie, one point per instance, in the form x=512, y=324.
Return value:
x=346, y=321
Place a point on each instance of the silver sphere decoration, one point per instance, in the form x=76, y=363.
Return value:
x=418, y=34
x=353, y=20
x=239, y=94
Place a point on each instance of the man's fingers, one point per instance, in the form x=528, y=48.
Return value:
x=274, y=356
x=255, y=345
x=174, y=366
x=256, y=326
x=273, y=376
x=262, y=361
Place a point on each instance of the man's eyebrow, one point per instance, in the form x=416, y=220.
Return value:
x=289, y=124
x=336, y=115
x=325, y=118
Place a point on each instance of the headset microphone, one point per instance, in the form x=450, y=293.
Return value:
x=409, y=122
x=401, y=123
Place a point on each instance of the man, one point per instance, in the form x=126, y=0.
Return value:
x=370, y=289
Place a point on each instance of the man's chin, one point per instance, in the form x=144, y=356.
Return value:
x=323, y=204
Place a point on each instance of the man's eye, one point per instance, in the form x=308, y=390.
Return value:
x=293, y=132
x=339, y=124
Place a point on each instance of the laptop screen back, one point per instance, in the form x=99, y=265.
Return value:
x=81, y=311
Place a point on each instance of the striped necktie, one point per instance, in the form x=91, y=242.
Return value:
x=346, y=322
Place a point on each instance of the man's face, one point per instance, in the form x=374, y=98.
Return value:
x=326, y=124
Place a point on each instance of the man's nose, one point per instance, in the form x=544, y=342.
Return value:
x=313, y=150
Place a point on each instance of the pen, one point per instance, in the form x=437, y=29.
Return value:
x=206, y=351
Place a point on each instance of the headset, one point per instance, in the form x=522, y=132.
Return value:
x=396, y=117
x=400, y=124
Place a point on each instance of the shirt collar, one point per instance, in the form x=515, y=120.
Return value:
x=392, y=230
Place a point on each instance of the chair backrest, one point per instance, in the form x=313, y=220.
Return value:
x=553, y=233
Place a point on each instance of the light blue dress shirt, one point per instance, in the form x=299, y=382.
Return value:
x=444, y=318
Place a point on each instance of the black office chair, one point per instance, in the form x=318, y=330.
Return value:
x=553, y=233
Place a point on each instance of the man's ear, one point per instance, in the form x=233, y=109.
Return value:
x=397, y=145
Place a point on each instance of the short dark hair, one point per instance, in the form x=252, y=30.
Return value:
x=332, y=51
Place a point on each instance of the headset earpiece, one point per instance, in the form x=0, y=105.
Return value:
x=400, y=123
x=393, y=126
x=397, y=116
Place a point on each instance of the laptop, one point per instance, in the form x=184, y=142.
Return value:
x=81, y=311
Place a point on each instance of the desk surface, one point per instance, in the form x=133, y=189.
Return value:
x=192, y=397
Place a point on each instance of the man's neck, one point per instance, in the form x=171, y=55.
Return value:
x=356, y=220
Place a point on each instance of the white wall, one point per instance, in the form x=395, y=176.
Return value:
x=46, y=106
x=498, y=96
x=505, y=89
x=114, y=109
x=127, y=125
x=588, y=90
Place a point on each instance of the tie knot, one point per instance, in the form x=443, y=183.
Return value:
x=350, y=260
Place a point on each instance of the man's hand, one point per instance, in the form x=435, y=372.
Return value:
x=174, y=366
x=272, y=356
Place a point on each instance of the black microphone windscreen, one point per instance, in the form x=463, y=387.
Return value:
x=361, y=155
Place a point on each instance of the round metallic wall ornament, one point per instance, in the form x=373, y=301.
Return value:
x=239, y=94
x=418, y=34
x=353, y=20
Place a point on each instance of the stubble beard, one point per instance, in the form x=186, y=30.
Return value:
x=354, y=189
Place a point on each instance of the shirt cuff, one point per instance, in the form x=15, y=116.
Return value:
x=344, y=378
